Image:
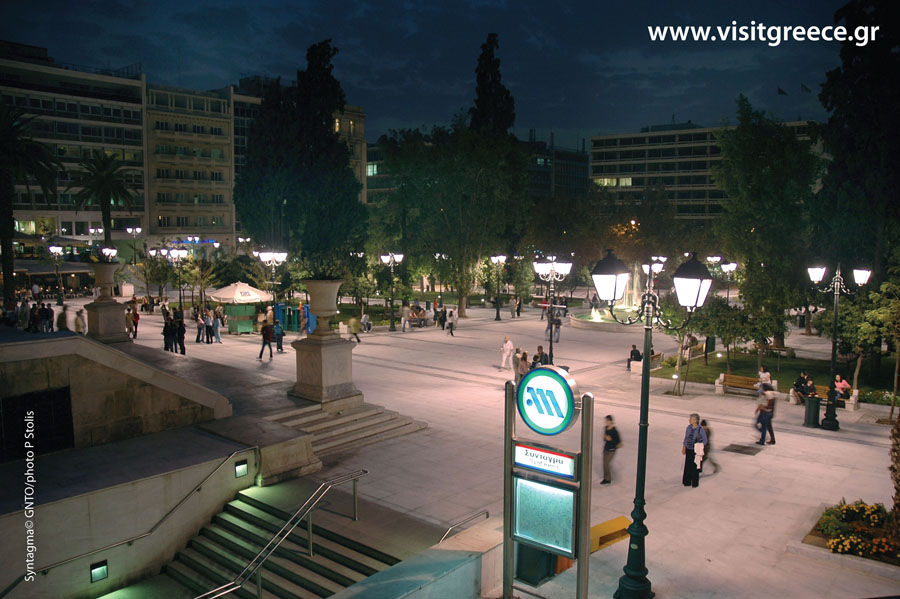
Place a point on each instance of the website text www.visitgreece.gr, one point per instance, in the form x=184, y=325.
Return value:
x=773, y=35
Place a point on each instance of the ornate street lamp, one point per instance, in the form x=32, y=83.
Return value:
x=56, y=253
x=176, y=255
x=94, y=231
x=391, y=259
x=838, y=287
x=727, y=267
x=692, y=282
x=498, y=261
x=134, y=232
x=552, y=271
x=272, y=260
x=439, y=257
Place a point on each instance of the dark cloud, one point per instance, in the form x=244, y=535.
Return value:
x=575, y=68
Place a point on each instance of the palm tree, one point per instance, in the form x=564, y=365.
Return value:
x=102, y=180
x=21, y=159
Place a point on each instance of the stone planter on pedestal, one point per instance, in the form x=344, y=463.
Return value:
x=106, y=316
x=324, y=359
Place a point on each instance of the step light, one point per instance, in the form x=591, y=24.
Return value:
x=241, y=469
x=99, y=571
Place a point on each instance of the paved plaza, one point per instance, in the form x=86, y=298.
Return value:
x=728, y=538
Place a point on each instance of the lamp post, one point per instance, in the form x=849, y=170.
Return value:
x=727, y=267
x=837, y=286
x=552, y=272
x=56, y=253
x=498, y=261
x=272, y=260
x=134, y=232
x=438, y=257
x=692, y=282
x=94, y=231
x=176, y=255
x=390, y=259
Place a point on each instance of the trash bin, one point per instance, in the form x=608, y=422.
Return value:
x=812, y=412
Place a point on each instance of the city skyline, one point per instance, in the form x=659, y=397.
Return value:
x=573, y=70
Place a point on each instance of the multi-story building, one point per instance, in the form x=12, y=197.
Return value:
x=350, y=126
x=78, y=112
x=378, y=182
x=676, y=158
x=190, y=165
x=554, y=171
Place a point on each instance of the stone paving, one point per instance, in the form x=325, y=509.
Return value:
x=727, y=538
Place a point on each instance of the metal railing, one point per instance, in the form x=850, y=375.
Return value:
x=485, y=513
x=254, y=566
x=130, y=540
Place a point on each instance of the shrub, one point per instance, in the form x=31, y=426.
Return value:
x=832, y=526
x=850, y=544
x=670, y=362
x=882, y=398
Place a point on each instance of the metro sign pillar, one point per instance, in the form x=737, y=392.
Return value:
x=542, y=481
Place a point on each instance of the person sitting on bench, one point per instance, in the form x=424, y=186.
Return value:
x=799, y=390
x=634, y=356
x=841, y=386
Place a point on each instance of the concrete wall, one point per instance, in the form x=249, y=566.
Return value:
x=75, y=525
x=113, y=395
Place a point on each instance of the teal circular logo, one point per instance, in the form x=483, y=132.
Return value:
x=546, y=400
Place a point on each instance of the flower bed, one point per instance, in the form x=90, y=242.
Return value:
x=859, y=529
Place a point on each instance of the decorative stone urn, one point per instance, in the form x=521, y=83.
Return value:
x=106, y=316
x=324, y=359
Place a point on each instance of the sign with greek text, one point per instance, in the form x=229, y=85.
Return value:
x=544, y=460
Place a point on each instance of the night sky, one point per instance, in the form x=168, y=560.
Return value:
x=575, y=68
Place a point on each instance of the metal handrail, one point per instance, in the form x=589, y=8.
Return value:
x=255, y=564
x=130, y=540
x=487, y=516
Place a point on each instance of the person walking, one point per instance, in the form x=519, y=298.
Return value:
x=512, y=308
x=217, y=325
x=634, y=356
x=765, y=405
x=443, y=318
x=278, y=332
x=180, y=332
x=611, y=442
x=267, y=333
x=79, y=322
x=707, y=449
x=200, y=327
x=135, y=319
x=522, y=366
x=208, y=326
x=355, y=326
x=404, y=316
x=519, y=308
x=451, y=323
x=129, y=323
x=506, y=352
x=694, y=435
x=50, y=318
x=62, y=319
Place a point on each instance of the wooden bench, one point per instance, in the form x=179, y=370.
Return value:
x=655, y=362
x=736, y=381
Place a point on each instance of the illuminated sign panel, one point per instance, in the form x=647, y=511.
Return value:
x=546, y=400
x=545, y=516
x=545, y=460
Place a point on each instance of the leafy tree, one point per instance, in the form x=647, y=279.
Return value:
x=670, y=310
x=21, y=159
x=153, y=271
x=858, y=210
x=885, y=313
x=857, y=333
x=199, y=273
x=719, y=319
x=103, y=182
x=494, y=112
x=297, y=188
x=768, y=175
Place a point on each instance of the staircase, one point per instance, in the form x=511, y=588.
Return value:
x=222, y=548
x=356, y=426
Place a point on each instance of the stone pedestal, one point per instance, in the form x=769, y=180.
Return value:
x=106, y=322
x=106, y=317
x=324, y=360
x=325, y=371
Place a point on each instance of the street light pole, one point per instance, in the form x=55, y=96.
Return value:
x=837, y=286
x=551, y=272
x=134, y=232
x=497, y=261
x=439, y=256
x=56, y=252
x=273, y=260
x=390, y=259
x=692, y=283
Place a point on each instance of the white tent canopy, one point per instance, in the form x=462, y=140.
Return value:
x=240, y=293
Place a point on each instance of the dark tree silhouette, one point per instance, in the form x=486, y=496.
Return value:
x=494, y=112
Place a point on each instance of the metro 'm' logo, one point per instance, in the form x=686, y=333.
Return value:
x=544, y=401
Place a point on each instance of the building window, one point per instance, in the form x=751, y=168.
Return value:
x=162, y=173
x=217, y=153
x=352, y=127
x=164, y=221
x=199, y=129
x=337, y=125
x=606, y=181
x=161, y=126
x=216, y=221
x=180, y=174
x=371, y=170
x=198, y=175
x=181, y=151
x=218, y=198
x=215, y=176
x=215, y=130
x=181, y=221
x=181, y=127
x=162, y=196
